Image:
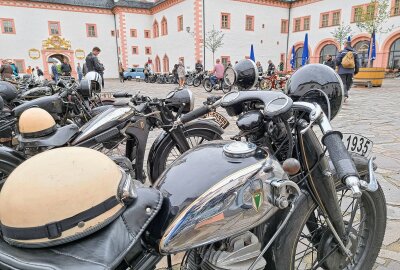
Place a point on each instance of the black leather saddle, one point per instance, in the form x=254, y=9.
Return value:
x=104, y=249
x=59, y=138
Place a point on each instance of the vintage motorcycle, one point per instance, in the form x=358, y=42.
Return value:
x=274, y=201
x=123, y=130
x=273, y=82
x=219, y=85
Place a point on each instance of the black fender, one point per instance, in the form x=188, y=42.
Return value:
x=9, y=160
x=193, y=125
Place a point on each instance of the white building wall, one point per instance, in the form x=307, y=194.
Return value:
x=237, y=41
x=31, y=26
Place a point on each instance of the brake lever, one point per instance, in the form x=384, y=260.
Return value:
x=314, y=115
x=372, y=186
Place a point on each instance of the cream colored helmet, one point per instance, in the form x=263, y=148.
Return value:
x=62, y=195
x=36, y=122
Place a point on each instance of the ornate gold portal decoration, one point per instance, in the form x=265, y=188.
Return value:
x=56, y=43
x=34, y=54
x=80, y=54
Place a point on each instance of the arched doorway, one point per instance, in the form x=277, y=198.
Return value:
x=49, y=56
x=157, y=64
x=166, y=64
x=328, y=49
x=394, y=55
x=299, y=56
x=361, y=48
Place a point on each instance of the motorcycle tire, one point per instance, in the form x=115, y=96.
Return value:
x=207, y=85
x=196, y=82
x=189, y=81
x=169, y=150
x=226, y=89
x=370, y=235
x=265, y=85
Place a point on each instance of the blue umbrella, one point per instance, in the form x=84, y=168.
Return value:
x=252, y=57
x=293, y=58
x=304, y=57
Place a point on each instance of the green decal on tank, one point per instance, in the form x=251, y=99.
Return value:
x=257, y=199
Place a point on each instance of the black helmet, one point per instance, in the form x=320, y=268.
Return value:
x=317, y=83
x=8, y=91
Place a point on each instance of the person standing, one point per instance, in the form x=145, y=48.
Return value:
x=181, y=74
x=281, y=66
x=199, y=66
x=6, y=70
x=93, y=63
x=271, y=68
x=79, y=71
x=259, y=68
x=217, y=73
x=121, y=72
x=175, y=73
x=329, y=62
x=54, y=72
x=40, y=73
x=348, y=66
x=29, y=70
x=66, y=68
x=15, y=69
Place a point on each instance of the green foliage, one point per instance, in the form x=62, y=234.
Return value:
x=214, y=40
x=342, y=32
x=374, y=17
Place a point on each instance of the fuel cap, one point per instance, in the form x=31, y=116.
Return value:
x=239, y=149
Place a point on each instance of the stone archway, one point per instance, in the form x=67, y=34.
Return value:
x=57, y=54
x=384, y=59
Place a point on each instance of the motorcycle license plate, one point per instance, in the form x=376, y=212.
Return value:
x=357, y=144
x=218, y=118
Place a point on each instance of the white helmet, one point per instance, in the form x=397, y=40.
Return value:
x=96, y=81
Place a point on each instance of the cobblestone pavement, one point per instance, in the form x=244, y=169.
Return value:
x=374, y=113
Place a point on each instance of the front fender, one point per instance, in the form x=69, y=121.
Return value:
x=164, y=136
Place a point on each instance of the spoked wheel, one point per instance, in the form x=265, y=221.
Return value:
x=265, y=84
x=226, y=88
x=307, y=242
x=169, y=151
x=196, y=82
x=207, y=85
x=189, y=81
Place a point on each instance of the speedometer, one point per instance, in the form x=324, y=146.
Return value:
x=228, y=98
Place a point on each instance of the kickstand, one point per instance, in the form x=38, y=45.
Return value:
x=169, y=262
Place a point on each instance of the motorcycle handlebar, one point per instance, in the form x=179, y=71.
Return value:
x=195, y=114
x=122, y=95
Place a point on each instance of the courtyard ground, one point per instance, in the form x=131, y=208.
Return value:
x=374, y=113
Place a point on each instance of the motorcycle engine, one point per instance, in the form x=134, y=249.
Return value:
x=235, y=253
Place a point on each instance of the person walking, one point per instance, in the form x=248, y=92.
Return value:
x=93, y=63
x=54, y=72
x=181, y=75
x=348, y=66
x=40, y=73
x=6, y=70
x=79, y=71
x=15, y=69
x=66, y=68
x=329, y=62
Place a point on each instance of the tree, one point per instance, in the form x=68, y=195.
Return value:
x=213, y=41
x=374, y=18
x=341, y=33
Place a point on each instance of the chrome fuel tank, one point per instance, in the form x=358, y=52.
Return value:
x=102, y=122
x=213, y=195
